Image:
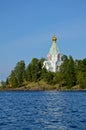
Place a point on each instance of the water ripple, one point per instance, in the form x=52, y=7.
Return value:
x=49, y=110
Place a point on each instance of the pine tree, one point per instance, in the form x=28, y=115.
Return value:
x=17, y=76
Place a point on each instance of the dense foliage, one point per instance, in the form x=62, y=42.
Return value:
x=72, y=72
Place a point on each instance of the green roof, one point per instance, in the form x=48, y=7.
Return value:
x=54, y=50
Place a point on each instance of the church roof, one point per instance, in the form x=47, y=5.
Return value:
x=54, y=50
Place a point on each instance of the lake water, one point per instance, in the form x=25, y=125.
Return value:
x=42, y=110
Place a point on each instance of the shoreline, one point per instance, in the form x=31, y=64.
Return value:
x=27, y=89
x=41, y=86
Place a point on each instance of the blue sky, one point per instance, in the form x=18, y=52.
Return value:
x=27, y=27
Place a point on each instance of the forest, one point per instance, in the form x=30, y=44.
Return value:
x=72, y=73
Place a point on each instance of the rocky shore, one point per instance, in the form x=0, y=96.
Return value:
x=40, y=86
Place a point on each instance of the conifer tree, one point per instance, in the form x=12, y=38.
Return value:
x=17, y=76
x=68, y=72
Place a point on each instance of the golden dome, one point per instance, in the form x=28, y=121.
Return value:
x=54, y=38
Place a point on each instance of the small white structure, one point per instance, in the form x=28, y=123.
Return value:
x=54, y=57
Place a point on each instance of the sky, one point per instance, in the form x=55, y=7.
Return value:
x=27, y=27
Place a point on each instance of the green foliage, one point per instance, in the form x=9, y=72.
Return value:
x=81, y=80
x=20, y=72
x=68, y=72
x=13, y=80
x=71, y=77
x=49, y=77
x=81, y=72
x=17, y=76
x=7, y=82
x=43, y=74
x=33, y=70
x=28, y=73
x=71, y=73
x=58, y=78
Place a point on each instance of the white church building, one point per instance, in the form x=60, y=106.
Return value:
x=54, y=57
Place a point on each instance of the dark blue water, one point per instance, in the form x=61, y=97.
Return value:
x=49, y=110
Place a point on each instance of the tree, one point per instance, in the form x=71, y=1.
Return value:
x=33, y=70
x=43, y=73
x=68, y=72
x=20, y=72
x=7, y=81
x=81, y=72
x=28, y=73
x=49, y=77
x=17, y=76
x=58, y=79
x=13, y=80
x=63, y=69
x=81, y=80
x=71, y=73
